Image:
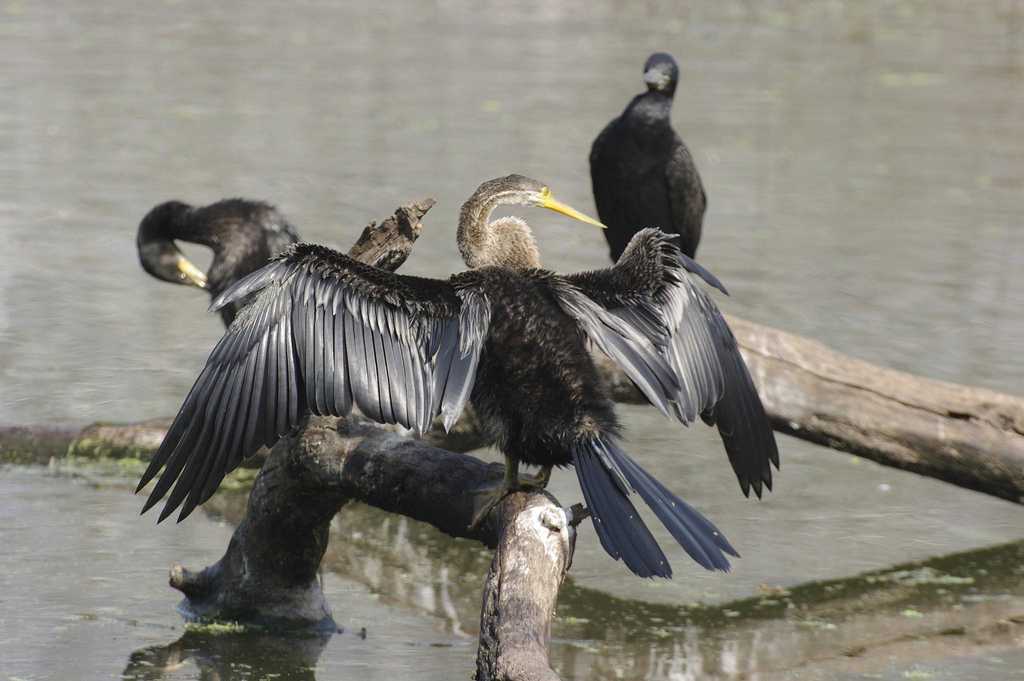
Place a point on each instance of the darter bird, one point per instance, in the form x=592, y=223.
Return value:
x=325, y=332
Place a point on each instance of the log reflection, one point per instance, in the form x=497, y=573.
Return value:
x=221, y=655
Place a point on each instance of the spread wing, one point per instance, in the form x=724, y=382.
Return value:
x=323, y=332
x=652, y=318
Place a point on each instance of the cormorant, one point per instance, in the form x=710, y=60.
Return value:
x=324, y=332
x=642, y=173
x=243, y=236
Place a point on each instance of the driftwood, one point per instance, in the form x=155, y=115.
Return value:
x=967, y=436
x=963, y=435
x=269, y=574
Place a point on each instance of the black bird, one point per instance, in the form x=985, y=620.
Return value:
x=243, y=236
x=325, y=332
x=642, y=173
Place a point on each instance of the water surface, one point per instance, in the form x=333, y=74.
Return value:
x=864, y=172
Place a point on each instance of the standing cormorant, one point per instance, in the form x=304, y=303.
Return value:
x=642, y=173
x=325, y=332
x=243, y=236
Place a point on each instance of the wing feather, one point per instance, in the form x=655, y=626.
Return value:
x=671, y=340
x=322, y=332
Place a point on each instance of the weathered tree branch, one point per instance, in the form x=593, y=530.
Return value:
x=268, y=575
x=534, y=553
x=967, y=436
x=388, y=244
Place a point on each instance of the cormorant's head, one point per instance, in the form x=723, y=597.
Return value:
x=525, y=191
x=661, y=73
x=158, y=253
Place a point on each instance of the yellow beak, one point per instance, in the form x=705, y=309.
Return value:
x=549, y=202
x=192, y=273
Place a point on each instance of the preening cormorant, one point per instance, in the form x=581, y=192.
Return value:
x=642, y=173
x=324, y=332
x=243, y=236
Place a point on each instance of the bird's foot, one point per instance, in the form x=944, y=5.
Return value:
x=536, y=483
x=493, y=494
x=490, y=496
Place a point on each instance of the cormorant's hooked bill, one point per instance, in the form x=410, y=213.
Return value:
x=193, y=274
x=661, y=73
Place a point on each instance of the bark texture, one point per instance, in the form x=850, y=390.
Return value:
x=967, y=436
x=971, y=437
x=268, y=575
x=534, y=553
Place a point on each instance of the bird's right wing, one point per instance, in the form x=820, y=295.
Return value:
x=652, y=318
x=323, y=332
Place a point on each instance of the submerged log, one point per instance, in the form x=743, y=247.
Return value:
x=971, y=437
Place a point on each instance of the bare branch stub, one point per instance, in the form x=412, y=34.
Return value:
x=388, y=244
x=534, y=554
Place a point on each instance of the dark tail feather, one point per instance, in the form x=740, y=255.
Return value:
x=600, y=466
x=619, y=527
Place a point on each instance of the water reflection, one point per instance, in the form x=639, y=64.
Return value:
x=417, y=594
x=597, y=636
x=230, y=655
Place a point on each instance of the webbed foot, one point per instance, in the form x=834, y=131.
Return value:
x=493, y=494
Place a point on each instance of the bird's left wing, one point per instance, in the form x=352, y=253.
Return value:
x=652, y=318
x=323, y=332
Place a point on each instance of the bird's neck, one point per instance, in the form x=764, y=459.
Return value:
x=505, y=242
x=650, y=110
x=186, y=227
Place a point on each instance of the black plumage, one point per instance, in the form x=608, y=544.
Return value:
x=642, y=173
x=325, y=332
x=242, y=234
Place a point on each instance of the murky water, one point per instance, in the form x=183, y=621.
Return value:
x=85, y=600
x=865, y=170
